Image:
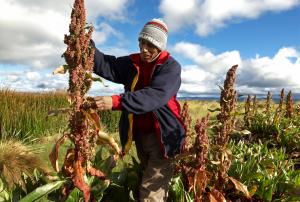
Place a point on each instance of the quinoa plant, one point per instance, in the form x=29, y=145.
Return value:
x=227, y=104
x=278, y=112
x=221, y=182
x=226, y=120
x=187, y=120
x=202, y=176
x=289, y=105
x=192, y=162
x=268, y=103
x=84, y=122
x=254, y=105
x=248, y=113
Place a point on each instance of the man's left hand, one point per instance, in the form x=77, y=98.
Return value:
x=104, y=102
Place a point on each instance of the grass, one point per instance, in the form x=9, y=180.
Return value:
x=26, y=113
x=16, y=158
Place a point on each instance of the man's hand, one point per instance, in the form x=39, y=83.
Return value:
x=103, y=102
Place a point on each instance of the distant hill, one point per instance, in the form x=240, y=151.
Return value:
x=213, y=97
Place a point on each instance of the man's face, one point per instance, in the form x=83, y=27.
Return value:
x=148, y=51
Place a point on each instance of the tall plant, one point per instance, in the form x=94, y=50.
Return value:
x=278, y=112
x=84, y=123
x=248, y=112
x=191, y=164
x=268, y=103
x=289, y=105
x=187, y=120
x=226, y=120
x=206, y=179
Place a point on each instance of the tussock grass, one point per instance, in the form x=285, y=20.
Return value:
x=18, y=158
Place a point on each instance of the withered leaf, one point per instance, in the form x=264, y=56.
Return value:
x=53, y=156
x=240, y=187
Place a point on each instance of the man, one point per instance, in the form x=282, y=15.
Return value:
x=150, y=111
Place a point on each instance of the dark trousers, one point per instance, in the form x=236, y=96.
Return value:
x=158, y=171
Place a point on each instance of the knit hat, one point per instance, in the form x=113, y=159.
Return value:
x=156, y=32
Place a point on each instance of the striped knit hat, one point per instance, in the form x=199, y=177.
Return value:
x=156, y=32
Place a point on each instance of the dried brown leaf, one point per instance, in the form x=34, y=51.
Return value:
x=53, y=156
x=93, y=116
x=200, y=182
x=240, y=187
x=217, y=196
x=61, y=69
x=104, y=137
x=211, y=198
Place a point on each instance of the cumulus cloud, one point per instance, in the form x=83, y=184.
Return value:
x=109, y=88
x=33, y=76
x=32, y=32
x=209, y=15
x=194, y=80
x=28, y=80
x=282, y=70
x=255, y=75
x=103, y=31
x=205, y=59
x=113, y=9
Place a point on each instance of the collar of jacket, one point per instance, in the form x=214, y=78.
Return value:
x=163, y=57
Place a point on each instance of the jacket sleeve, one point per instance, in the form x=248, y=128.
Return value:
x=165, y=84
x=110, y=67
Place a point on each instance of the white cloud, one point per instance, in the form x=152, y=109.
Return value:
x=33, y=76
x=209, y=15
x=178, y=13
x=195, y=80
x=24, y=80
x=254, y=75
x=32, y=31
x=33, y=81
x=109, y=88
x=277, y=72
x=113, y=9
x=103, y=31
x=207, y=60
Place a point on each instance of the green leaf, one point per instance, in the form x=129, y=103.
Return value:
x=74, y=196
x=100, y=80
x=1, y=186
x=99, y=188
x=240, y=132
x=4, y=196
x=42, y=191
x=268, y=194
x=177, y=189
x=89, y=76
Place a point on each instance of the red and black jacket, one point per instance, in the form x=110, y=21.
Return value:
x=159, y=97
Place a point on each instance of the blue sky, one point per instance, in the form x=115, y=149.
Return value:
x=207, y=37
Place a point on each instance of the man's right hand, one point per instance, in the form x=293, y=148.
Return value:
x=104, y=102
